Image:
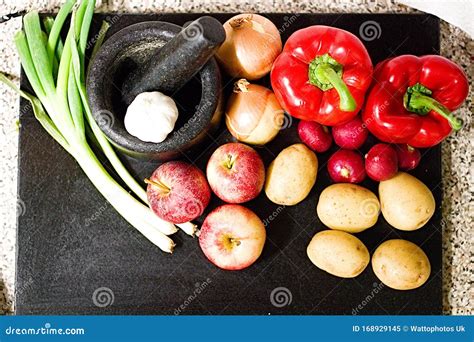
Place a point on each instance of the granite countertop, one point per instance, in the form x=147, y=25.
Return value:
x=457, y=152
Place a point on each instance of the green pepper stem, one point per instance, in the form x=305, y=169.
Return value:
x=346, y=101
x=419, y=101
x=326, y=73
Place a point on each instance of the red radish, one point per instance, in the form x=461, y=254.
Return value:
x=317, y=137
x=346, y=166
x=408, y=157
x=381, y=162
x=351, y=135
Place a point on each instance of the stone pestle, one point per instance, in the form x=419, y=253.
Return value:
x=174, y=64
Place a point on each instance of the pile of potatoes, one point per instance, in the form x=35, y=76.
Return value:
x=406, y=204
x=404, y=201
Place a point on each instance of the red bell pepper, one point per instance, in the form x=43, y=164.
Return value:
x=322, y=75
x=412, y=99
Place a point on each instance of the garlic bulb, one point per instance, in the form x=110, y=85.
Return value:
x=151, y=116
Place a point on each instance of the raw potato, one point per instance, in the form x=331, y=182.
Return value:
x=291, y=175
x=401, y=264
x=407, y=203
x=338, y=253
x=348, y=207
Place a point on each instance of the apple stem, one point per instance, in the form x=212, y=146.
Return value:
x=159, y=185
x=235, y=242
x=229, y=163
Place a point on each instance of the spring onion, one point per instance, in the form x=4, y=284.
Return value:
x=189, y=228
x=56, y=73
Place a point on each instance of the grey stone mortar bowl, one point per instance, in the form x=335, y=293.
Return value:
x=199, y=102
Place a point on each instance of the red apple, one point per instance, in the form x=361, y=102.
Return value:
x=232, y=237
x=178, y=192
x=236, y=173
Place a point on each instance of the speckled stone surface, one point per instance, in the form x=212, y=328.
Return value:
x=458, y=206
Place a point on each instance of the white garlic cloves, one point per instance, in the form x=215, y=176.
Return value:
x=151, y=116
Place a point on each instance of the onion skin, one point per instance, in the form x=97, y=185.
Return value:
x=253, y=114
x=251, y=46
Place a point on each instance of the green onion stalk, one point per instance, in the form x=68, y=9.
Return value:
x=56, y=72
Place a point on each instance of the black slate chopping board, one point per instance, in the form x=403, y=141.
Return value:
x=72, y=246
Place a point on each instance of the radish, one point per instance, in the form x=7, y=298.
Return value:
x=317, y=137
x=381, y=162
x=408, y=157
x=351, y=134
x=346, y=166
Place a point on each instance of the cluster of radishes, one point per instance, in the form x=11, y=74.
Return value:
x=347, y=165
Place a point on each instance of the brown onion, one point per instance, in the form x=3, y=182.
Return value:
x=253, y=114
x=252, y=43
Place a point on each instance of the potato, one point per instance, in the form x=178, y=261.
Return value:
x=338, y=253
x=401, y=264
x=348, y=207
x=407, y=203
x=291, y=175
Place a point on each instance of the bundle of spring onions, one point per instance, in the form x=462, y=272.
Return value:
x=56, y=72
